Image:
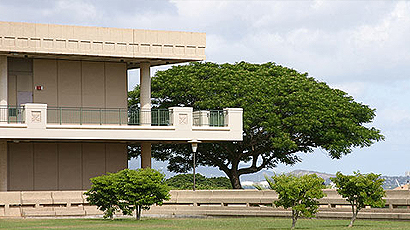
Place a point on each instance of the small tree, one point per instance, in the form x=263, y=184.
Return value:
x=360, y=190
x=299, y=193
x=128, y=191
x=140, y=189
x=103, y=194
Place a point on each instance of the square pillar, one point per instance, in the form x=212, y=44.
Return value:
x=35, y=115
x=3, y=165
x=233, y=119
x=3, y=89
x=3, y=80
x=145, y=94
x=201, y=118
x=145, y=155
x=182, y=118
x=145, y=112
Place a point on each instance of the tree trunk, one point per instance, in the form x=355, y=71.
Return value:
x=294, y=218
x=138, y=212
x=234, y=178
x=353, y=217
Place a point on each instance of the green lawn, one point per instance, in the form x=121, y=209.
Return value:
x=197, y=224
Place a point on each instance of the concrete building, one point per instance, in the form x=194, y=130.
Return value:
x=63, y=102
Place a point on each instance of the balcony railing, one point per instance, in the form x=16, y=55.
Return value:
x=12, y=114
x=212, y=118
x=100, y=116
x=115, y=116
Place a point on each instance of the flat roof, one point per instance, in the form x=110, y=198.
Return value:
x=133, y=46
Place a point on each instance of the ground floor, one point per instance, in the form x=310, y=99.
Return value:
x=42, y=166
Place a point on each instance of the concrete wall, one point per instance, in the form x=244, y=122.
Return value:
x=69, y=83
x=43, y=166
x=240, y=203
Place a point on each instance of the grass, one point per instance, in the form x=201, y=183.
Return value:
x=198, y=224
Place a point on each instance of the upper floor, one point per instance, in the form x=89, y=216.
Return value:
x=51, y=91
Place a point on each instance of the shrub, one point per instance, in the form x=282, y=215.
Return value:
x=360, y=190
x=128, y=191
x=185, y=181
x=299, y=193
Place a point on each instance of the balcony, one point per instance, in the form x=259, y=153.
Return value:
x=12, y=115
x=100, y=116
x=38, y=121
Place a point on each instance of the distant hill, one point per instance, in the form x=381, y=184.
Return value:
x=325, y=176
x=390, y=182
x=260, y=176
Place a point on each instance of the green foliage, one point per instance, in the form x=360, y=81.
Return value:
x=299, y=193
x=104, y=194
x=285, y=113
x=185, y=182
x=128, y=191
x=360, y=190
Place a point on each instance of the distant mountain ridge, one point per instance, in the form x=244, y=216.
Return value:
x=325, y=176
x=390, y=182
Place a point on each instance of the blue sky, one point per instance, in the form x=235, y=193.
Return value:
x=361, y=47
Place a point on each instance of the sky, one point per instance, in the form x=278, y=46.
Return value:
x=360, y=47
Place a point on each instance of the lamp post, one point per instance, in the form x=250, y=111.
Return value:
x=194, y=144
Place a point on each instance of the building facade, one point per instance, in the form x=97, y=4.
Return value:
x=63, y=102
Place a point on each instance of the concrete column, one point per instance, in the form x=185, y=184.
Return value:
x=145, y=94
x=145, y=155
x=3, y=80
x=3, y=166
x=145, y=115
x=3, y=89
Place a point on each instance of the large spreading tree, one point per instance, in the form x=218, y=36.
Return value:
x=284, y=113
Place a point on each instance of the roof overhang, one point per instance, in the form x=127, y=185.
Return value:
x=132, y=46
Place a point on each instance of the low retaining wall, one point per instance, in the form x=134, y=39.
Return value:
x=45, y=203
x=260, y=203
x=198, y=203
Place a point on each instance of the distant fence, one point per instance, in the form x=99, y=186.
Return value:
x=199, y=203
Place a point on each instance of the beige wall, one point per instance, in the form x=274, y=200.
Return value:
x=61, y=166
x=45, y=166
x=69, y=83
x=70, y=167
x=20, y=170
x=93, y=162
x=93, y=84
x=116, y=87
x=45, y=75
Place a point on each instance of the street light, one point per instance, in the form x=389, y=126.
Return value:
x=194, y=144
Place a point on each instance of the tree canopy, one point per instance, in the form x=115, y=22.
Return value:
x=285, y=113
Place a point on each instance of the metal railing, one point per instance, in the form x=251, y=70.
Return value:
x=212, y=118
x=101, y=116
x=159, y=117
x=12, y=114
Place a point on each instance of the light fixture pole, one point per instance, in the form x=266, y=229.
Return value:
x=194, y=144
